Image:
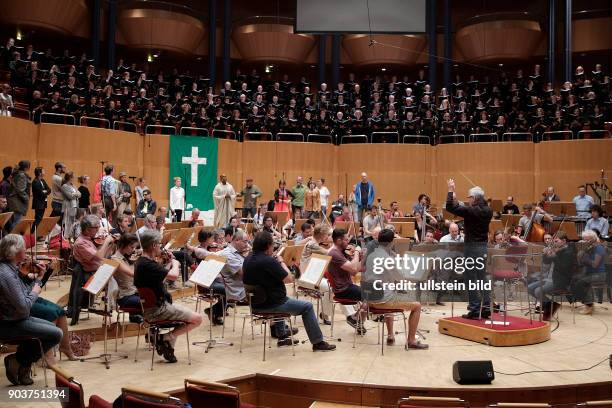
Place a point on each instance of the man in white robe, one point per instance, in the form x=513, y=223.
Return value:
x=224, y=197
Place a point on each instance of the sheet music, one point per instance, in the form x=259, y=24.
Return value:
x=311, y=277
x=207, y=271
x=100, y=278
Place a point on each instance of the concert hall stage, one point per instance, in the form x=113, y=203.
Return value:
x=361, y=375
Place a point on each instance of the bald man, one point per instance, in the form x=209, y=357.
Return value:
x=453, y=234
x=364, y=195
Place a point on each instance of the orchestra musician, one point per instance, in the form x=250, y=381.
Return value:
x=269, y=275
x=597, y=221
x=583, y=202
x=550, y=195
x=531, y=214
x=371, y=221
x=151, y=275
x=128, y=294
x=394, y=211
x=510, y=207
x=476, y=217
x=592, y=259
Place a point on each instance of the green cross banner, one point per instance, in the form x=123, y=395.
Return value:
x=194, y=160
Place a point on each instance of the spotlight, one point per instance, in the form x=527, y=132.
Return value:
x=18, y=35
x=383, y=69
x=500, y=64
x=149, y=58
x=155, y=55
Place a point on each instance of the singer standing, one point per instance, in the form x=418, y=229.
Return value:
x=476, y=216
x=177, y=200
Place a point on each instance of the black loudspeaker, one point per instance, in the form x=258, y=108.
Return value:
x=473, y=372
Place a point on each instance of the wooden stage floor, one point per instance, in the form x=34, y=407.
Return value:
x=572, y=346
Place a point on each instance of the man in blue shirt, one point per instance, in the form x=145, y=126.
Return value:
x=364, y=195
x=583, y=203
x=593, y=260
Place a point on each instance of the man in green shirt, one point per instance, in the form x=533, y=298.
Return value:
x=249, y=195
x=298, y=191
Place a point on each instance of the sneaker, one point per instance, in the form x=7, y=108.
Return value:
x=25, y=376
x=472, y=315
x=286, y=342
x=285, y=335
x=138, y=319
x=351, y=321
x=323, y=346
x=417, y=346
x=169, y=352
x=12, y=368
x=325, y=319
x=361, y=330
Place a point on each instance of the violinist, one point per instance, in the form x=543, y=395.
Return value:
x=531, y=214
x=342, y=268
x=306, y=232
x=123, y=225
x=592, y=259
x=229, y=282
x=205, y=238
x=268, y=226
x=560, y=258
x=16, y=322
x=128, y=294
x=371, y=221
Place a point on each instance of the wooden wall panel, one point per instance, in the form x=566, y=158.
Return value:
x=500, y=169
x=156, y=166
x=568, y=164
x=19, y=141
x=399, y=172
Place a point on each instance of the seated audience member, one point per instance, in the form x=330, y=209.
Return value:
x=146, y=205
x=389, y=299
x=128, y=294
x=148, y=274
x=16, y=300
x=270, y=275
x=393, y=212
x=341, y=269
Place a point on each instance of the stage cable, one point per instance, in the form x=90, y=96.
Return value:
x=556, y=371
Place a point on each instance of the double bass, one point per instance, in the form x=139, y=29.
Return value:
x=535, y=232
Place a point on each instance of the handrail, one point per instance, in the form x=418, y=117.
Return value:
x=267, y=134
x=494, y=136
x=191, y=129
x=160, y=127
x=318, y=136
x=416, y=138
x=510, y=134
x=89, y=118
x=291, y=135
x=19, y=109
x=354, y=137
x=231, y=133
x=453, y=137
x=57, y=115
x=604, y=132
x=557, y=132
x=129, y=124
x=395, y=134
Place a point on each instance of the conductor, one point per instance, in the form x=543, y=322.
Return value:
x=477, y=216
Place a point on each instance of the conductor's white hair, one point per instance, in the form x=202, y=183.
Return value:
x=476, y=192
x=589, y=234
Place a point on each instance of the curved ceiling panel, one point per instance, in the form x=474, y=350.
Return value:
x=160, y=29
x=392, y=49
x=63, y=16
x=499, y=40
x=589, y=34
x=272, y=43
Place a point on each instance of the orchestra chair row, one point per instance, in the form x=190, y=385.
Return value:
x=154, y=328
x=342, y=302
x=255, y=294
x=212, y=394
x=76, y=395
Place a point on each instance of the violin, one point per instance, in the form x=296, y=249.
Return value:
x=351, y=249
x=32, y=268
x=166, y=256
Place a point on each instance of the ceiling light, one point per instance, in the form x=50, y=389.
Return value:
x=18, y=36
x=383, y=69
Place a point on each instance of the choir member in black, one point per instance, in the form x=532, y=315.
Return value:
x=596, y=119
x=428, y=124
x=309, y=125
x=272, y=121
x=324, y=125
x=464, y=125
x=167, y=118
x=55, y=105
x=111, y=113
x=575, y=121
x=130, y=114
x=290, y=123
x=218, y=121
x=500, y=127
x=447, y=126
x=520, y=124
x=358, y=124
x=538, y=124
x=73, y=108
x=340, y=106
x=255, y=122
x=186, y=117
x=202, y=120
x=411, y=125
x=341, y=128
x=236, y=124
x=391, y=123
x=323, y=92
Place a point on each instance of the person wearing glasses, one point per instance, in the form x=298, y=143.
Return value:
x=146, y=206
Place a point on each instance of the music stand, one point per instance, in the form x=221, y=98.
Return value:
x=510, y=220
x=452, y=217
x=404, y=229
x=497, y=205
x=402, y=219
x=24, y=226
x=495, y=225
x=94, y=285
x=4, y=218
x=299, y=222
x=278, y=217
x=43, y=229
x=194, y=238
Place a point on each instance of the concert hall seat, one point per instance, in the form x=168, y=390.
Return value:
x=76, y=395
x=514, y=256
x=419, y=402
x=345, y=302
x=138, y=398
x=148, y=300
x=211, y=394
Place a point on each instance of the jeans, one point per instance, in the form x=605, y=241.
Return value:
x=218, y=288
x=28, y=351
x=582, y=286
x=540, y=290
x=130, y=301
x=56, y=211
x=249, y=211
x=305, y=309
x=475, y=274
